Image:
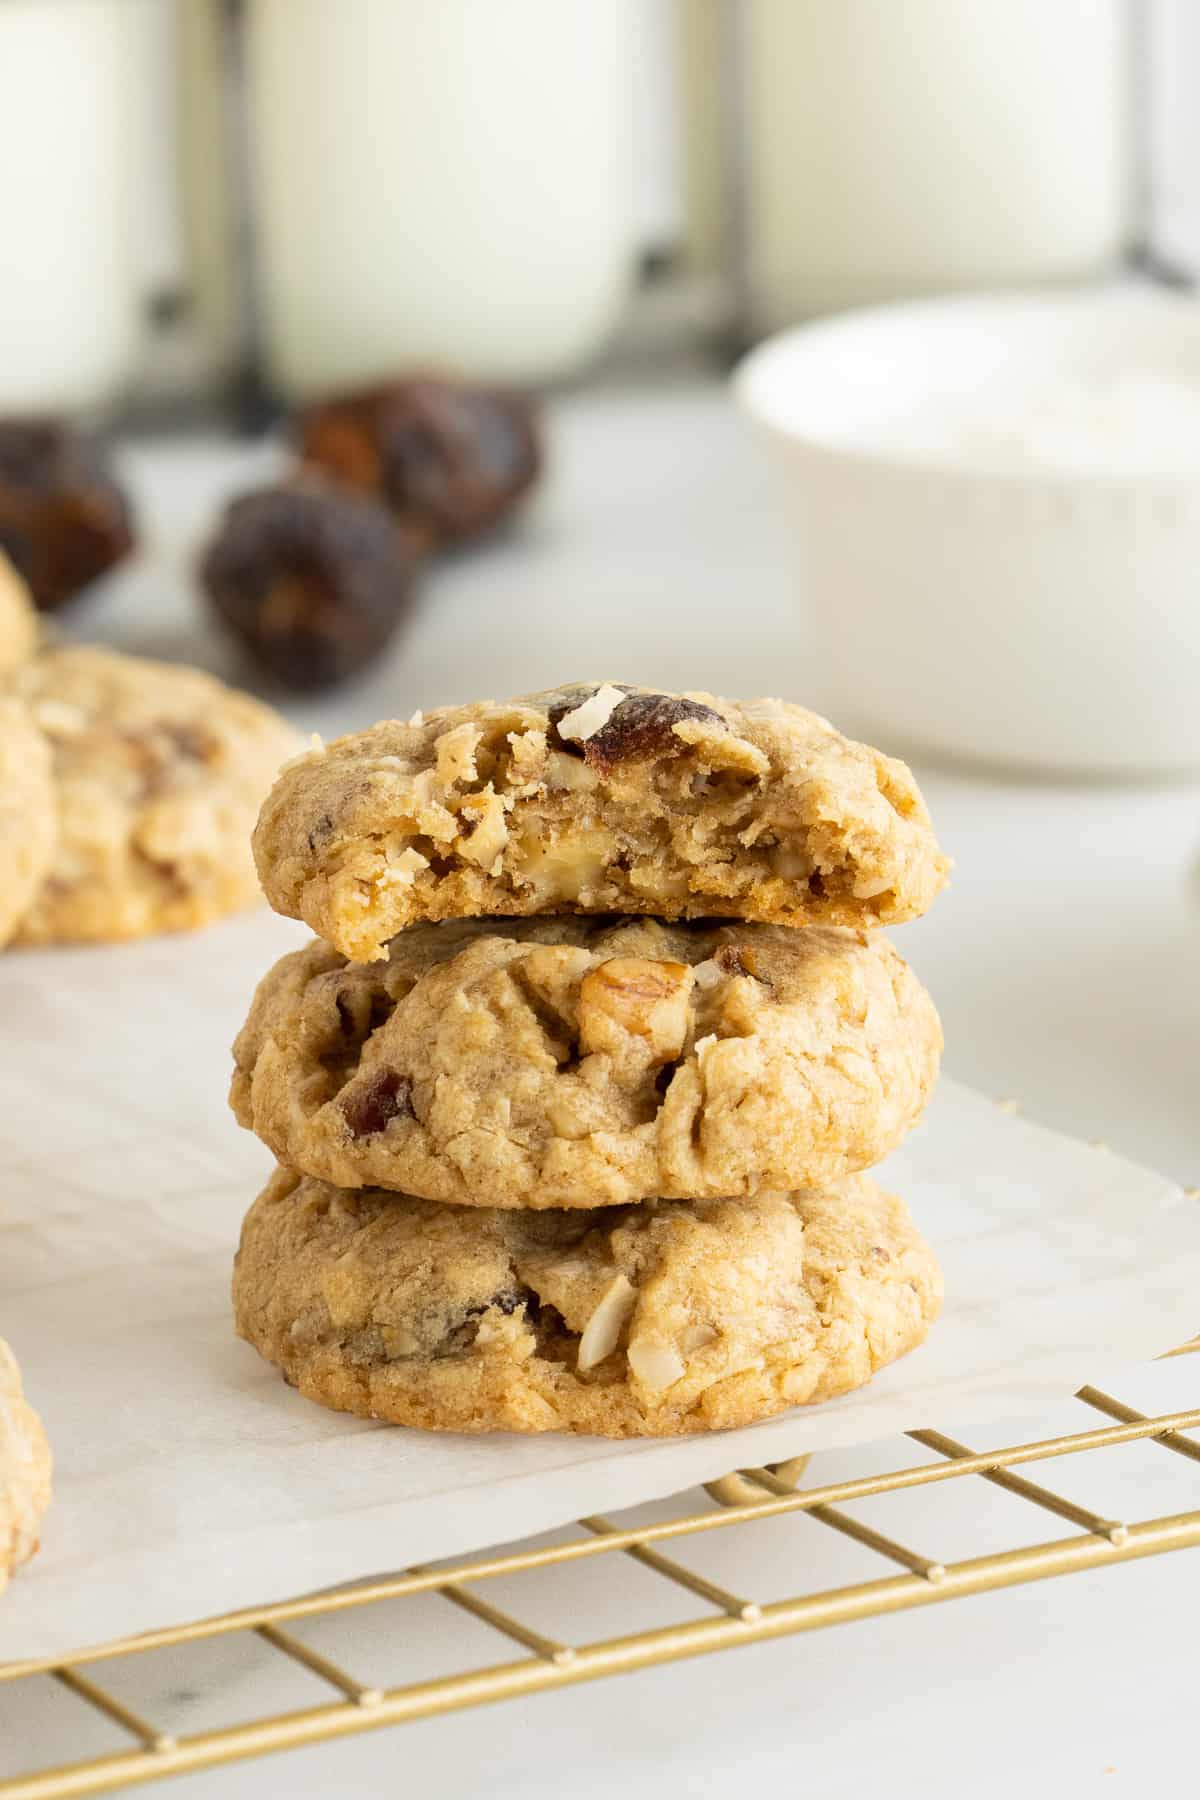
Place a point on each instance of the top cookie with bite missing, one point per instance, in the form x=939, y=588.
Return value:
x=596, y=798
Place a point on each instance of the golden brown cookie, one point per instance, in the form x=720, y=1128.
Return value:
x=591, y=799
x=158, y=771
x=28, y=813
x=18, y=619
x=24, y=1470
x=651, y=1320
x=584, y=1062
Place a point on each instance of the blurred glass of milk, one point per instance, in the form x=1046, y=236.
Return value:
x=443, y=184
x=896, y=147
x=1173, y=174
x=69, y=296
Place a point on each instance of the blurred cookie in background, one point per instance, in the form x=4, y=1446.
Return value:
x=158, y=775
x=65, y=520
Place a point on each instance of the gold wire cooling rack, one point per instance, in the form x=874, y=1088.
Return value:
x=735, y=1504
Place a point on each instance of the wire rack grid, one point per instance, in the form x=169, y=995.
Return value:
x=735, y=1504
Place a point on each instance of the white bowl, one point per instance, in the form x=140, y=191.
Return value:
x=998, y=505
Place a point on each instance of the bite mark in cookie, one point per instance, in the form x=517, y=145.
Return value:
x=596, y=798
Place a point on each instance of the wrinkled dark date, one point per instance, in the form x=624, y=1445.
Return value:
x=64, y=520
x=638, y=730
x=313, y=580
x=450, y=459
x=385, y=1096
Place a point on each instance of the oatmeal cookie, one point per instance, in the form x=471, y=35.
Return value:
x=18, y=619
x=596, y=799
x=644, y=1321
x=579, y=1062
x=158, y=772
x=24, y=1470
x=28, y=814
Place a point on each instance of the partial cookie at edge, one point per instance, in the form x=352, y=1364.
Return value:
x=24, y=1470
x=28, y=814
x=158, y=772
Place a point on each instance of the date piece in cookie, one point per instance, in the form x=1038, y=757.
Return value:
x=24, y=1470
x=28, y=813
x=64, y=518
x=643, y=1321
x=450, y=459
x=596, y=799
x=576, y=1062
x=158, y=771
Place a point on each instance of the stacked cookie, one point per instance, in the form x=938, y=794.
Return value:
x=572, y=1094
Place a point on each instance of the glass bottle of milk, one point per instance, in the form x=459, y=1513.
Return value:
x=70, y=291
x=439, y=183
x=897, y=147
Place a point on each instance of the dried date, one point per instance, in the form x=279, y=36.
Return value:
x=64, y=518
x=312, y=579
x=450, y=459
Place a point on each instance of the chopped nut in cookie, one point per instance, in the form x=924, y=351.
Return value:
x=635, y=997
x=603, y=1330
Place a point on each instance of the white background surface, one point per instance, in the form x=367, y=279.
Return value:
x=1066, y=963
x=1062, y=1263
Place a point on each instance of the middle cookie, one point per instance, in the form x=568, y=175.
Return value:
x=574, y=1061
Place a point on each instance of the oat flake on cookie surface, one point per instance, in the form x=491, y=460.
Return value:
x=583, y=1061
x=655, y=1320
x=597, y=797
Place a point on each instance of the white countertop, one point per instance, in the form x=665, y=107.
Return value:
x=1066, y=963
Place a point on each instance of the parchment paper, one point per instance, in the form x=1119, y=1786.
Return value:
x=190, y=1480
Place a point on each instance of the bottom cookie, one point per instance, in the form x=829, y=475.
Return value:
x=654, y=1320
x=24, y=1470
